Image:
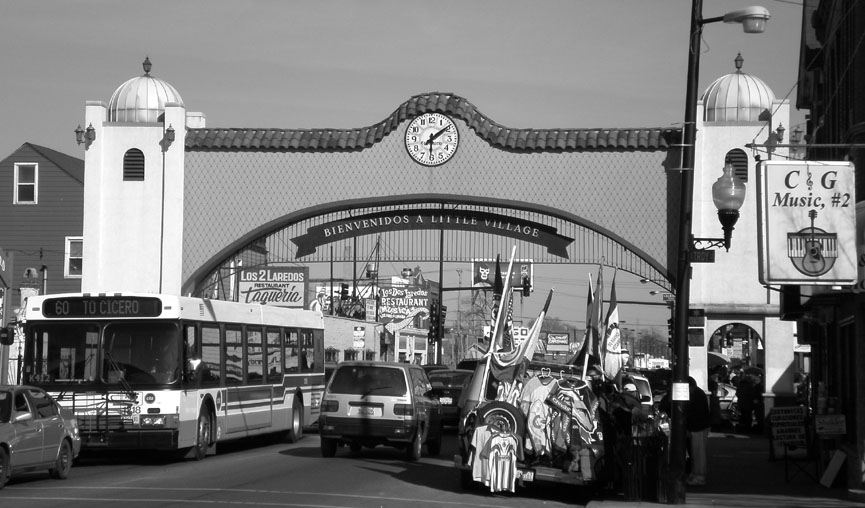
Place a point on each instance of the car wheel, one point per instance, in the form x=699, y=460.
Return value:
x=434, y=443
x=413, y=451
x=202, y=438
x=296, y=430
x=504, y=416
x=63, y=464
x=5, y=468
x=328, y=447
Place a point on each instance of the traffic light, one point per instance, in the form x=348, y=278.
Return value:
x=670, y=328
x=343, y=291
x=432, y=336
x=444, y=313
x=527, y=285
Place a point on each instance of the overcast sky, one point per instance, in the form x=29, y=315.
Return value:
x=351, y=63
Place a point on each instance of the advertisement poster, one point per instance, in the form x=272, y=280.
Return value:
x=280, y=286
x=400, y=305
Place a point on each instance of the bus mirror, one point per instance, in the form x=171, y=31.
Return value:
x=7, y=335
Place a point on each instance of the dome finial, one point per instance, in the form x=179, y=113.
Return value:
x=147, y=65
x=738, y=61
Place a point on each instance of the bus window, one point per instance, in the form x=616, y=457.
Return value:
x=291, y=352
x=62, y=354
x=274, y=356
x=253, y=355
x=233, y=356
x=210, y=355
x=307, y=358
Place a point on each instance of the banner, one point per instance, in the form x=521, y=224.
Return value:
x=463, y=220
x=279, y=286
x=400, y=305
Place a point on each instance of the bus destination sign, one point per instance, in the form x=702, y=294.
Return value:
x=104, y=306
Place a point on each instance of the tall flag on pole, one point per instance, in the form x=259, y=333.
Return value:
x=613, y=358
x=506, y=361
x=500, y=316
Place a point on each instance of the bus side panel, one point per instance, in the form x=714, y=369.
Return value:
x=249, y=408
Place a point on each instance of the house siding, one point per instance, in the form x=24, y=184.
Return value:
x=36, y=234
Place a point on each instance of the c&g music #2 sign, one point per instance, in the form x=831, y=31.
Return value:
x=463, y=220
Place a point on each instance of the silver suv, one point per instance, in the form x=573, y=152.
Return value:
x=367, y=404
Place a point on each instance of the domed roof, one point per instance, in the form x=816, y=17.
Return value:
x=737, y=97
x=141, y=99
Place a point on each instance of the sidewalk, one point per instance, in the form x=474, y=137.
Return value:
x=741, y=475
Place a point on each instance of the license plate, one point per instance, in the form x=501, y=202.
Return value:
x=525, y=475
x=365, y=411
x=447, y=401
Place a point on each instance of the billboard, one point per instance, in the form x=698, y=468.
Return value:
x=807, y=218
x=280, y=286
x=484, y=272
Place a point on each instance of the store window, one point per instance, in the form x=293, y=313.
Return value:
x=26, y=184
x=74, y=261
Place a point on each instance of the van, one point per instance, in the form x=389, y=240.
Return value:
x=366, y=404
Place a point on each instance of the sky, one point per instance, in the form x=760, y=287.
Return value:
x=351, y=63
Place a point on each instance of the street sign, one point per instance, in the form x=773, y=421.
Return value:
x=702, y=256
x=669, y=297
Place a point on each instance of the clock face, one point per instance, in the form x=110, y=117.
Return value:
x=432, y=139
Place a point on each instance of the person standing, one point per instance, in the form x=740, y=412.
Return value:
x=698, y=422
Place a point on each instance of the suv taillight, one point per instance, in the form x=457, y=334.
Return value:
x=329, y=406
x=403, y=409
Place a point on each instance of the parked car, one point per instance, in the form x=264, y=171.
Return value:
x=539, y=420
x=432, y=367
x=449, y=384
x=35, y=433
x=367, y=404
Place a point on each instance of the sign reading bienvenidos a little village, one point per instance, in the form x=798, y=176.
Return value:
x=478, y=222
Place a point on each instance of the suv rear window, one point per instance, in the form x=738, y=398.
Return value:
x=368, y=380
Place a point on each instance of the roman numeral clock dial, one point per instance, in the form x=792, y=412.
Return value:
x=432, y=139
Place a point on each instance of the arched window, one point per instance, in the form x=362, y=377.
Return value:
x=133, y=165
x=740, y=161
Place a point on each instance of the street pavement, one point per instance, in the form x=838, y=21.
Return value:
x=741, y=474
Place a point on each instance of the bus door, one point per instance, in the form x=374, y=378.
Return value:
x=249, y=403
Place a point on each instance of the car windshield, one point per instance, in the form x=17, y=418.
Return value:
x=368, y=380
x=448, y=379
x=119, y=353
x=5, y=407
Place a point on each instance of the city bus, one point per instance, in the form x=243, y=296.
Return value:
x=160, y=372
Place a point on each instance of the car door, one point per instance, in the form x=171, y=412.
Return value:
x=48, y=416
x=27, y=443
x=428, y=408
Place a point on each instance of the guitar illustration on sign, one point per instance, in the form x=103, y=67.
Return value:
x=812, y=250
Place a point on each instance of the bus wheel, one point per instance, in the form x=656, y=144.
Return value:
x=63, y=464
x=202, y=438
x=296, y=430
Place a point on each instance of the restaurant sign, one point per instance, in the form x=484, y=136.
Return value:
x=280, y=286
x=418, y=219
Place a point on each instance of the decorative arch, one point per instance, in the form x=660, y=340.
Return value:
x=271, y=242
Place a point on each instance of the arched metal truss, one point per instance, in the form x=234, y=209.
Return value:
x=271, y=244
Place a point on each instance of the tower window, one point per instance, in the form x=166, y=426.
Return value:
x=739, y=159
x=133, y=166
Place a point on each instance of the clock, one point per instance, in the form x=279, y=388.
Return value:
x=432, y=139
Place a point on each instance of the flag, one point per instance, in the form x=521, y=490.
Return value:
x=587, y=348
x=505, y=361
x=611, y=350
x=500, y=316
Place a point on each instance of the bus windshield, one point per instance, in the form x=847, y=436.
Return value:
x=128, y=352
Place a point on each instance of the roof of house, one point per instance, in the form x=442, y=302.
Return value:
x=73, y=166
x=497, y=135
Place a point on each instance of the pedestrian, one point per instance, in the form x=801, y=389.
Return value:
x=698, y=423
x=745, y=395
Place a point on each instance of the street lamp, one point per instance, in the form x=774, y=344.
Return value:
x=753, y=20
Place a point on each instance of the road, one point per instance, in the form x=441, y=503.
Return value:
x=258, y=472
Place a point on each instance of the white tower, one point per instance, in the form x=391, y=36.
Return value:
x=133, y=188
x=736, y=110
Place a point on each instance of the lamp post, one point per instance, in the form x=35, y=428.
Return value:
x=753, y=20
